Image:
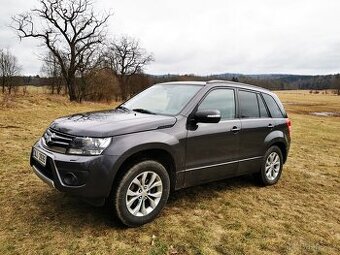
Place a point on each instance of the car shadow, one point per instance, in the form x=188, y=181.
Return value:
x=60, y=209
x=208, y=190
x=56, y=208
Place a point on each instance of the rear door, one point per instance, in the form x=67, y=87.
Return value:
x=256, y=125
x=212, y=148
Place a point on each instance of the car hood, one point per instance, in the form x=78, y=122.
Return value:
x=110, y=123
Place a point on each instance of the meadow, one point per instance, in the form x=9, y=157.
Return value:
x=299, y=215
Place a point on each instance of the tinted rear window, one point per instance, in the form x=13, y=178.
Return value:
x=273, y=106
x=263, y=110
x=248, y=104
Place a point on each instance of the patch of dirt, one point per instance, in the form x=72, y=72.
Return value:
x=302, y=104
x=8, y=126
x=326, y=114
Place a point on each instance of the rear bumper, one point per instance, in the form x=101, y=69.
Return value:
x=84, y=176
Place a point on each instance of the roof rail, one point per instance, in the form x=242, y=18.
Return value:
x=222, y=81
x=238, y=84
x=215, y=81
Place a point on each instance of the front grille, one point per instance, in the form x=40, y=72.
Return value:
x=57, y=141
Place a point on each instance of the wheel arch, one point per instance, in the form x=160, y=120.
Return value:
x=282, y=146
x=158, y=153
x=277, y=138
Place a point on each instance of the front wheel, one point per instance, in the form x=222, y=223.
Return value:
x=141, y=193
x=271, y=168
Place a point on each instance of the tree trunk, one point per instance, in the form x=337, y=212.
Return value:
x=59, y=87
x=71, y=90
x=65, y=88
x=72, y=95
x=3, y=84
x=52, y=88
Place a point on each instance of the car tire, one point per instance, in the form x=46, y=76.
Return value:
x=141, y=193
x=271, y=167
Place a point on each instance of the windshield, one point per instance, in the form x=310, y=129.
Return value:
x=168, y=99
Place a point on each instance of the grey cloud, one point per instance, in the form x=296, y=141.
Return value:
x=204, y=37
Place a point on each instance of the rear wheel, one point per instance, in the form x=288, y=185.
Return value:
x=271, y=168
x=141, y=193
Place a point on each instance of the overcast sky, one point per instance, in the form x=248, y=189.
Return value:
x=216, y=36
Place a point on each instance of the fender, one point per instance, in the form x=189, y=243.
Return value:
x=276, y=136
x=127, y=145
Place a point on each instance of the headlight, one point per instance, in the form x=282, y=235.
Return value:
x=88, y=145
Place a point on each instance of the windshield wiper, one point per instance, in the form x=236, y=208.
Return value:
x=141, y=110
x=121, y=107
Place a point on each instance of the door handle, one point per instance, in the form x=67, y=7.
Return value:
x=270, y=125
x=235, y=129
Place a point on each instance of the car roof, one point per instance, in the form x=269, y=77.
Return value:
x=214, y=83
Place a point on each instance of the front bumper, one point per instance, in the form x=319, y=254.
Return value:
x=84, y=176
x=45, y=179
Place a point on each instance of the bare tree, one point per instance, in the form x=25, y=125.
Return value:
x=70, y=29
x=8, y=69
x=92, y=63
x=102, y=84
x=336, y=84
x=126, y=58
x=52, y=70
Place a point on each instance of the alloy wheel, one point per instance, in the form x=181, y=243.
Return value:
x=272, y=167
x=144, y=193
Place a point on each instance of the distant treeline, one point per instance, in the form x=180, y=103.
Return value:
x=103, y=85
x=269, y=81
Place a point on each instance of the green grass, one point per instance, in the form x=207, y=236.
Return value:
x=299, y=215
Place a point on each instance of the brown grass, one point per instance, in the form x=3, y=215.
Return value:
x=299, y=215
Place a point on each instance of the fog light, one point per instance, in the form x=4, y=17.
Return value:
x=70, y=179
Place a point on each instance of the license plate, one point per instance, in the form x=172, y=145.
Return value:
x=39, y=156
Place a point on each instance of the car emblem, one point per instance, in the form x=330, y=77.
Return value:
x=48, y=140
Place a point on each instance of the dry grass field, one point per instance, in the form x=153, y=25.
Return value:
x=299, y=215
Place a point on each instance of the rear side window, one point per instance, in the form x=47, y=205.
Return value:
x=222, y=100
x=262, y=107
x=273, y=107
x=248, y=104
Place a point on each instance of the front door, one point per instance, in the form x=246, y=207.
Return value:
x=212, y=148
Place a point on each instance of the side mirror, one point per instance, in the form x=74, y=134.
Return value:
x=208, y=116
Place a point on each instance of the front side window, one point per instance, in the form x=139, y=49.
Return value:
x=222, y=100
x=248, y=104
x=168, y=99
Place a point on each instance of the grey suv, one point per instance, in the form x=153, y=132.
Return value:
x=168, y=137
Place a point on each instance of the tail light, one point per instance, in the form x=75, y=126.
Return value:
x=289, y=125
